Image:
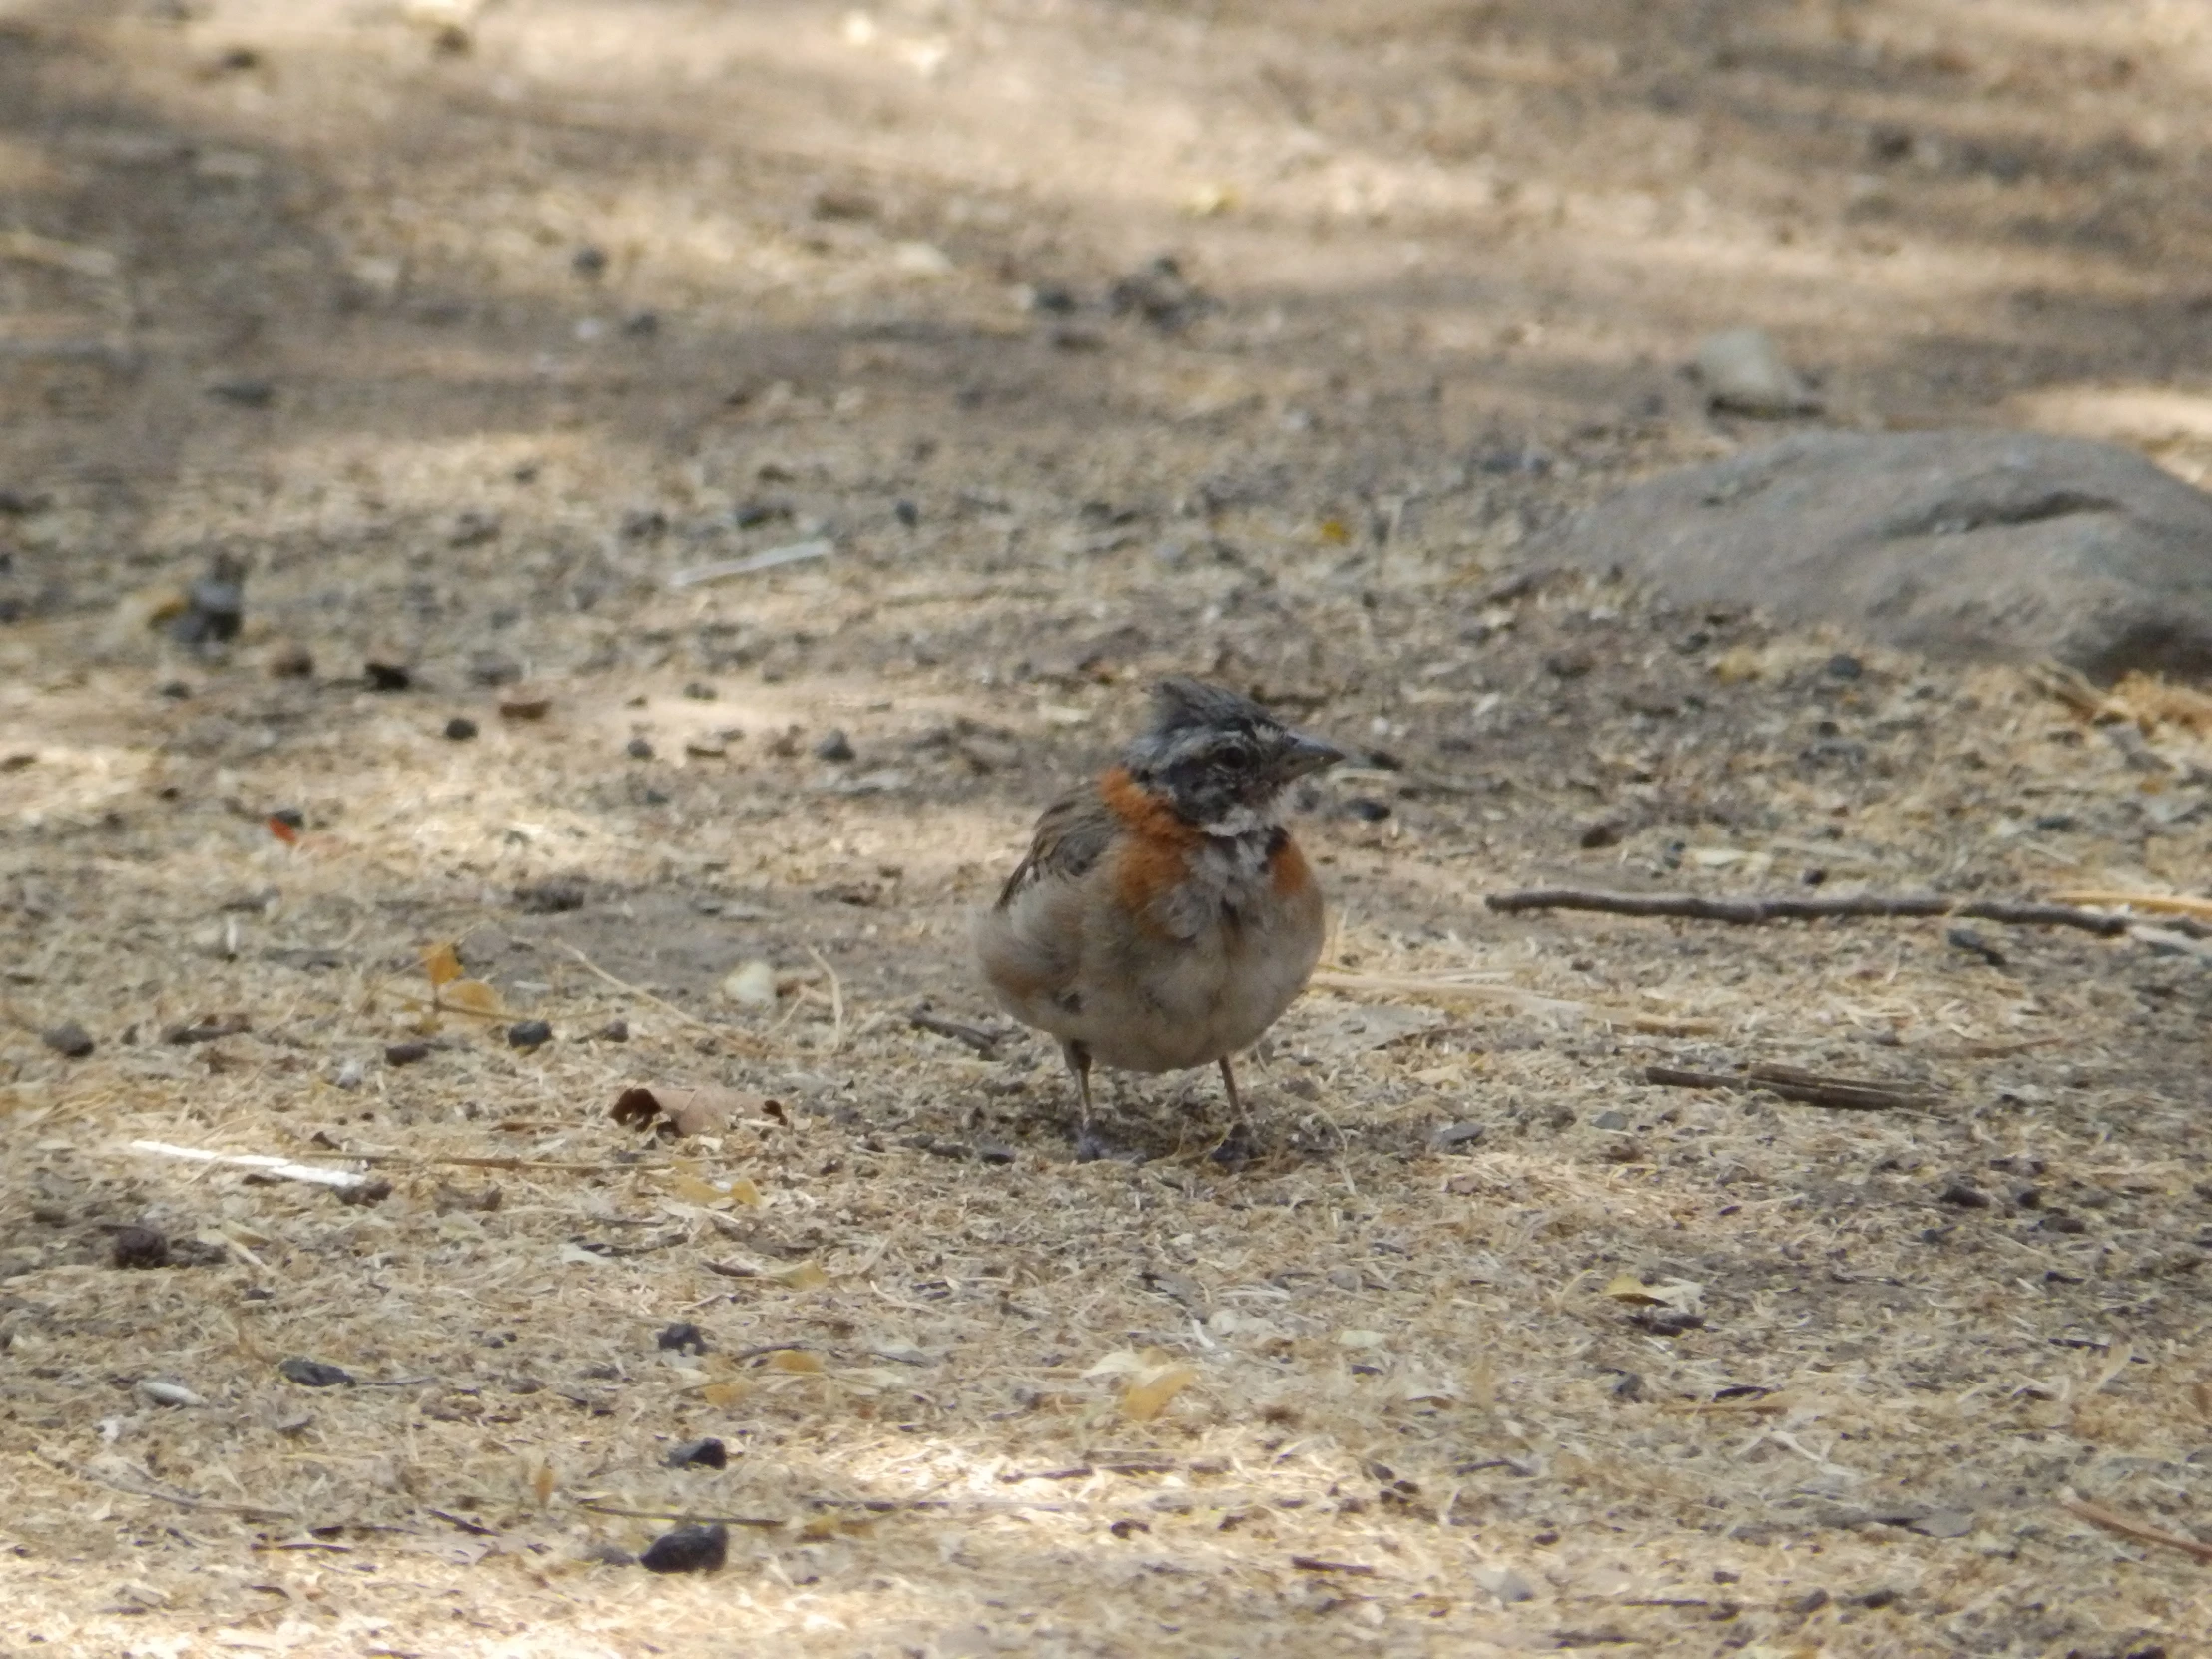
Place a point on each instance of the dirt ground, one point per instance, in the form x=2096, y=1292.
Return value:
x=465, y=328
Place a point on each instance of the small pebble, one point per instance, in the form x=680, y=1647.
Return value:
x=1964, y=1194
x=614, y=1031
x=460, y=729
x=174, y=690
x=906, y=513
x=1457, y=1137
x=589, y=263
x=314, y=1373
x=291, y=662
x=405, y=1054
x=387, y=676
x=637, y=750
x=139, y=1247
x=1604, y=832
x=688, y=1549
x=69, y=1038
x=1610, y=1120
x=700, y=692
x=682, y=1337
x=529, y=1034
x=1811, y=1602
x=1844, y=666
x=364, y=1193
x=1967, y=940
x=168, y=1393
x=708, y=1454
x=834, y=745
x=1368, y=810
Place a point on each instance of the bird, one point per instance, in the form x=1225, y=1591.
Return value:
x=1163, y=918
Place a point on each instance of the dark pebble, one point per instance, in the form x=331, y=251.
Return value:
x=1610, y=1120
x=460, y=729
x=291, y=818
x=589, y=263
x=314, y=1373
x=708, y=1454
x=1972, y=942
x=994, y=1152
x=1844, y=666
x=387, y=676
x=1881, y=1598
x=174, y=690
x=688, y=1549
x=642, y=324
x=1629, y=1387
x=1966, y=1196
x=405, y=1054
x=139, y=1247
x=2057, y=1221
x=1814, y=879
x=246, y=394
x=1666, y=1322
x=1368, y=810
x=700, y=692
x=1811, y=1602
x=552, y=896
x=683, y=1336
x=614, y=1031
x=529, y=1034
x=751, y=516
x=637, y=750
x=1457, y=1137
x=906, y=513
x=834, y=746
x=369, y=1192
x=68, y=1038
x=1603, y=833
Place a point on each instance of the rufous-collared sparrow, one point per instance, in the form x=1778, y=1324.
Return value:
x=1164, y=918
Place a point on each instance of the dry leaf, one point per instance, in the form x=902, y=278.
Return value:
x=692, y=1190
x=442, y=964
x=1150, y=1395
x=723, y=1395
x=470, y=996
x=796, y=1360
x=1683, y=1295
x=802, y=1276
x=541, y=1483
x=742, y=1191
x=705, y=1110
x=1335, y=532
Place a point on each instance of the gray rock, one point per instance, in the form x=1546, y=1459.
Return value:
x=1743, y=372
x=2008, y=546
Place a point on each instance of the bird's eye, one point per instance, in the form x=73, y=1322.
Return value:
x=1232, y=752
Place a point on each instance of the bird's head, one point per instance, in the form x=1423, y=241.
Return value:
x=1219, y=760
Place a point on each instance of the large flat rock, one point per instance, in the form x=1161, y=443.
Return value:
x=2000, y=545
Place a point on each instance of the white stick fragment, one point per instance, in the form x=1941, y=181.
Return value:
x=282, y=1167
x=692, y=575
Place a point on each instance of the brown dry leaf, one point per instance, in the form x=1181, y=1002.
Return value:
x=742, y=1191
x=541, y=1484
x=470, y=996
x=723, y=1395
x=1628, y=1287
x=1152, y=1394
x=705, y=1110
x=692, y=1190
x=802, y=1276
x=796, y=1360
x=443, y=962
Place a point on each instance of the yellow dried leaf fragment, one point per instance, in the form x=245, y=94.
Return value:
x=1152, y=1393
x=802, y=1276
x=442, y=964
x=796, y=1360
x=470, y=996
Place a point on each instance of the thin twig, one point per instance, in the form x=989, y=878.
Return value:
x=2096, y=1514
x=186, y=1500
x=1748, y=912
x=1848, y=1093
x=837, y=1000
x=2156, y=903
x=981, y=1041
x=763, y=1522
x=268, y=1164
x=408, y=1160
x=660, y=1002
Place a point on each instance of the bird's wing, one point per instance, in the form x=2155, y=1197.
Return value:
x=1071, y=837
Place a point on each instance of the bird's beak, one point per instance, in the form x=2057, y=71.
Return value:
x=1306, y=755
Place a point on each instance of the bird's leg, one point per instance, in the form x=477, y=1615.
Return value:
x=1079, y=1062
x=1234, y=1149
x=1229, y=1082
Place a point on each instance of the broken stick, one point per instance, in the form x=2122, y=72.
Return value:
x=1788, y=907
x=1851, y=1094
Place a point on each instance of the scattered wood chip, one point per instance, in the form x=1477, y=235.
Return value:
x=706, y=1109
x=1789, y=908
